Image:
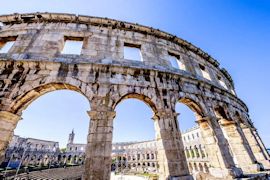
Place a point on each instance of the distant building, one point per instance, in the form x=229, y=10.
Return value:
x=31, y=151
x=75, y=153
x=126, y=156
x=135, y=156
x=195, y=150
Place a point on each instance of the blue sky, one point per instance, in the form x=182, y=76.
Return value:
x=234, y=32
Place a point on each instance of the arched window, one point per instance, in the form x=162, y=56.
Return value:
x=196, y=152
x=201, y=151
x=192, y=152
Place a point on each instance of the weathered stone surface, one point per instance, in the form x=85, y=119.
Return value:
x=34, y=66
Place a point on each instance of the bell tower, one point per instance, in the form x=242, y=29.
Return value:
x=71, y=137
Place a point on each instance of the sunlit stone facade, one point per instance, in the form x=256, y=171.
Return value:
x=195, y=151
x=136, y=156
x=165, y=71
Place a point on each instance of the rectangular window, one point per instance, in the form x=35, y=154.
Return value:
x=203, y=72
x=176, y=61
x=132, y=52
x=6, y=44
x=73, y=45
x=222, y=83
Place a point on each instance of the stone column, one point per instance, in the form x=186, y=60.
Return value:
x=221, y=161
x=8, y=122
x=240, y=148
x=259, y=152
x=171, y=156
x=99, y=145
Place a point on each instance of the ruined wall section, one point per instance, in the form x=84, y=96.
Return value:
x=43, y=38
x=21, y=77
x=35, y=65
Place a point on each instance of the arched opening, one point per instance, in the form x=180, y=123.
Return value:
x=233, y=133
x=195, y=167
x=189, y=112
x=201, y=167
x=220, y=112
x=190, y=166
x=49, y=113
x=206, y=168
x=134, y=132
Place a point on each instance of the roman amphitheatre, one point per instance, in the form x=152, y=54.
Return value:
x=166, y=71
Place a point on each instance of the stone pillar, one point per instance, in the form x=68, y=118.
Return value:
x=240, y=148
x=259, y=152
x=171, y=156
x=221, y=161
x=99, y=145
x=8, y=122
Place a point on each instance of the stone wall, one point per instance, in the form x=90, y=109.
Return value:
x=35, y=65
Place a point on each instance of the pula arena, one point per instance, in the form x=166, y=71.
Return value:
x=168, y=70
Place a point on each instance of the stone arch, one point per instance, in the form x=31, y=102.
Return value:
x=190, y=166
x=192, y=152
x=195, y=105
x=75, y=159
x=206, y=168
x=197, y=154
x=236, y=139
x=69, y=158
x=242, y=119
x=202, y=151
x=20, y=98
x=200, y=167
x=221, y=113
x=22, y=101
x=148, y=101
x=165, y=133
x=211, y=133
x=195, y=167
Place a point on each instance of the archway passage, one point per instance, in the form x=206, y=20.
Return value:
x=237, y=141
x=44, y=126
x=23, y=100
x=53, y=115
x=201, y=141
x=134, y=145
x=195, y=151
x=168, y=152
x=133, y=122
